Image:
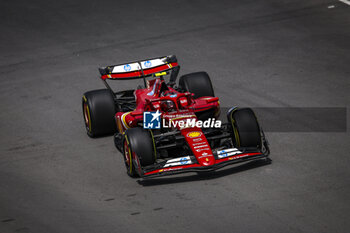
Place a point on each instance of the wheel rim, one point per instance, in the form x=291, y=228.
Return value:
x=137, y=160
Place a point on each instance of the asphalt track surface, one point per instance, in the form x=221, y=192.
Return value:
x=54, y=178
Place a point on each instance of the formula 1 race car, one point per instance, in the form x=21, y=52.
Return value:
x=162, y=128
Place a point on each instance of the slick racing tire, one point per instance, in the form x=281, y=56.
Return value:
x=138, y=150
x=200, y=85
x=197, y=83
x=99, y=110
x=245, y=128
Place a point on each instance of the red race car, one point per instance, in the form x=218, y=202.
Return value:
x=162, y=128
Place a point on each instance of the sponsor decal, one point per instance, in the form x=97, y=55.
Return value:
x=194, y=134
x=184, y=161
x=173, y=96
x=200, y=146
x=147, y=64
x=204, y=155
x=228, y=152
x=183, y=101
x=151, y=120
x=127, y=67
x=199, y=143
x=178, y=161
x=199, y=150
x=197, y=140
x=222, y=154
x=237, y=157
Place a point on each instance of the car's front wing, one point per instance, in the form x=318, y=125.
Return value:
x=190, y=164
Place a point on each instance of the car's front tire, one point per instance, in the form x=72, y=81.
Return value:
x=246, y=131
x=138, y=150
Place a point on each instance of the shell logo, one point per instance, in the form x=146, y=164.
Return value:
x=194, y=134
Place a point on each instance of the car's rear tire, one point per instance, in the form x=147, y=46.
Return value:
x=200, y=85
x=138, y=148
x=245, y=128
x=197, y=83
x=99, y=110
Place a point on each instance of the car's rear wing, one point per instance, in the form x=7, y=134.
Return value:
x=139, y=69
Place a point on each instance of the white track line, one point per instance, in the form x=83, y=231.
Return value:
x=345, y=1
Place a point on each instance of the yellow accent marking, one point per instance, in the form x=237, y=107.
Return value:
x=88, y=112
x=130, y=159
x=154, y=145
x=237, y=136
x=170, y=65
x=235, y=130
x=194, y=134
x=161, y=170
x=123, y=119
x=160, y=74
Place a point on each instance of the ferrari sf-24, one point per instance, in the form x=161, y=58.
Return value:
x=159, y=126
